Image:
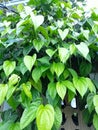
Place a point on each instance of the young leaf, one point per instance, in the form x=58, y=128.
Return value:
x=63, y=34
x=57, y=118
x=95, y=121
x=81, y=85
x=61, y=89
x=52, y=90
x=29, y=61
x=13, y=79
x=3, y=92
x=29, y=114
x=45, y=117
x=83, y=49
x=8, y=67
x=63, y=54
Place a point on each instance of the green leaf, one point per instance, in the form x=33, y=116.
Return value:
x=26, y=88
x=50, y=52
x=29, y=61
x=90, y=85
x=83, y=49
x=95, y=121
x=63, y=54
x=15, y=126
x=52, y=90
x=90, y=102
x=70, y=86
x=38, y=44
x=37, y=85
x=86, y=34
x=63, y=34
x=45, y=117
x=81, y=85
x=73, y=73
x=57, y=118
x=72, y=49
x=37, y=72
x=58, y=68
x=95, y=101
x=22, y=68
x=3, y=92
x=85, y=68
x=10, y=92
x=8, y=67
x=37, y=20
x=61, y=89
x=29, y=114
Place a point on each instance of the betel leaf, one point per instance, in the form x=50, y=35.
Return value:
x=50, y=52
x=58, y=68
x=95, y=101
x=37, y=72
x=29, y=61
x=15, y=126
x=38, y=44
x=85, y=34
x=63, y=54
x=3, y=92
x=45, y=117
x=52, y=89
x=14, y=79
x=95, y=121
x=29, y=114
x=37, y=85
x=83, y=49
x=90, y=102
x=8, y=67
x=90, y=85
x=10, y=92
x=57, y=118
x=70, y=86
x=61, y=89
x=63, y=34
x=37, y=20
x=26, y=88
x=81, y=85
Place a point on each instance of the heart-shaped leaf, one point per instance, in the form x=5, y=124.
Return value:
x=83, y=49
x=81, y=85
x=37, y=20
x=29, y=114
x=63, y=34
x=29, y=61
x=58, y=68
x=8, y=67
x=61, y=89
x=63, y=54
x=38, y=44
x=45, y=117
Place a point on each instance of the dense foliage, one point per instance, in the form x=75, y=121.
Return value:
x=47, y=52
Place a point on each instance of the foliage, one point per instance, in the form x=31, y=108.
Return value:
x=47, y=52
